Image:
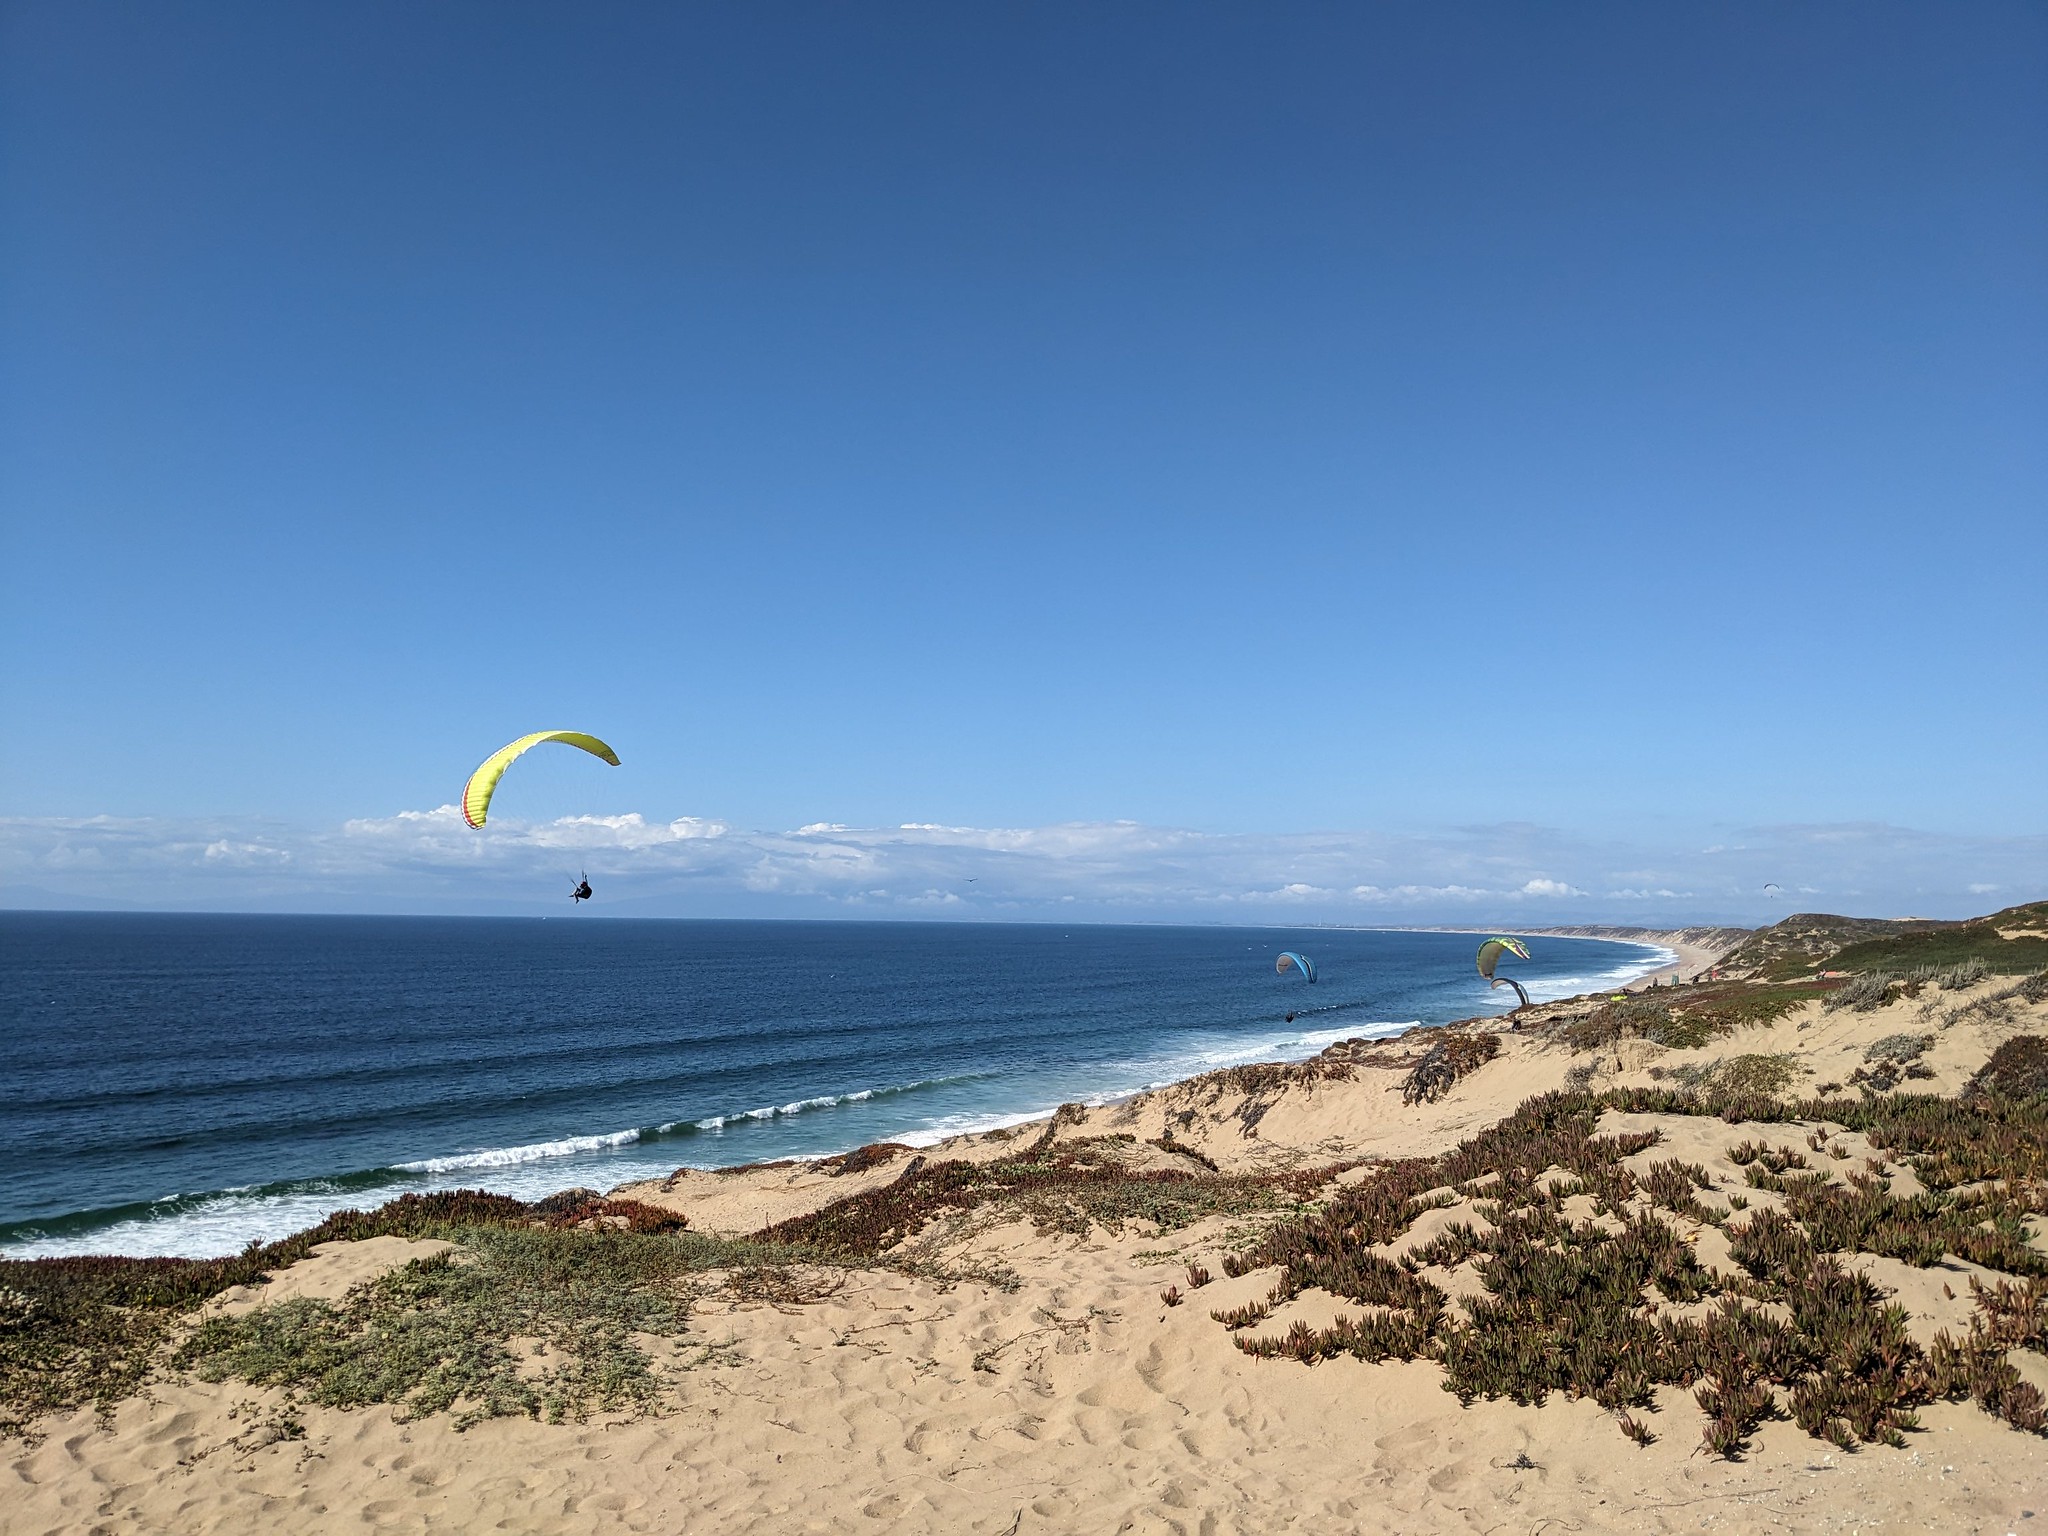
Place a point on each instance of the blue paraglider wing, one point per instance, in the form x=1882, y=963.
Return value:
x=1289, y=959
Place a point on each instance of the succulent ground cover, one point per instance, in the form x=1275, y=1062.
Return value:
x=1069, y=1186
x=439, y=1333
x=544, y=1309
x=1683, y=1018
x=1592, y=1286
x=568, y=1271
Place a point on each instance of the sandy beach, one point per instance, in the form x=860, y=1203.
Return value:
x=1695, y=949
x=1064, y=1391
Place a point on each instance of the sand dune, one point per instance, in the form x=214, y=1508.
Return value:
x=1078, y=1401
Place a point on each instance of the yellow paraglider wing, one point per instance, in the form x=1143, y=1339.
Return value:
x=476, y=794
x=1491, y=951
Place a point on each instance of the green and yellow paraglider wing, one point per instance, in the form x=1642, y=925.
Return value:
x=1491, y=951
x=476, y=794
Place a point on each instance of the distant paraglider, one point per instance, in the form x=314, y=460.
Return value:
x=1489, y=957
x=1290, y=961
x=1769, y=886
x=582, y=891
x=476, y=794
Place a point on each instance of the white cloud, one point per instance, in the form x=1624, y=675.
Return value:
x=220, y=850
x=1293, y=894
x=1542, y=887
x=700, y=865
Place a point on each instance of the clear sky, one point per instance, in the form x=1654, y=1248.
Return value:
x=1471, y=429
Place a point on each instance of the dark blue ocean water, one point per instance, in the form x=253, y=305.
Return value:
x=183, y=1084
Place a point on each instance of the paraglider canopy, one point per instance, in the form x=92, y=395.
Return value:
x=476, y=794
x=1491, y=951
x=1290, y=961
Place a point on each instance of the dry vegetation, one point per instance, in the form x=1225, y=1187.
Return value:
x=1604, y=1303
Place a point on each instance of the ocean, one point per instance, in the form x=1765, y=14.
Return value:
x=174, y=1084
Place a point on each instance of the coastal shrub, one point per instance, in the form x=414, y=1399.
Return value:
x=1950, y=978
x=88, y=1330
x=1729, y=1008
x=1985, y=1136
x=1069, y=1187
x=1975, y=1368
x=1261, y=1079
x=1898, y=1048
x=1684, y=1031
x=437, y=1334
x=1673, y=1185
x=2018, y=1068
x=622, y=1215
x=1693, y=1018
x=1063, y=1118
x=1614, y=1021
x=2001, y=1006
x=1861, y=994
x=1245, y=1316
x=1955, y=945
x=874, y=1155
x=1168, y=1142
x=1564, y=1307
x=1740, y=1087
x=1891, y=1060
x=1753, y=1076
x=1444, y=1063
x=1966, y=973
x=1773, y=1159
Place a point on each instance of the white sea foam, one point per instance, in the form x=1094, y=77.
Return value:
x=1549, y=989
x=210, y=1228
x=798, y=1106
x=533, y=1152
x=572, y=1146
x=945, y=1127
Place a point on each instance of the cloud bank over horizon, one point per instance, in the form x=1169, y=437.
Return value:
x=429, y=861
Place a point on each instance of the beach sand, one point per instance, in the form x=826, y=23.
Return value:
x=1079, y=1401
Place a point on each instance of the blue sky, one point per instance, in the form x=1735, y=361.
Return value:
x=1571, y=439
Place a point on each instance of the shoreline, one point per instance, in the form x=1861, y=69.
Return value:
x=239, y=1222
x=1694, y=950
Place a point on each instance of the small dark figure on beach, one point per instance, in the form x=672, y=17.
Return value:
x=582, y=891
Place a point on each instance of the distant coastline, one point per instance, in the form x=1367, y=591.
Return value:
x=1694, y=949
